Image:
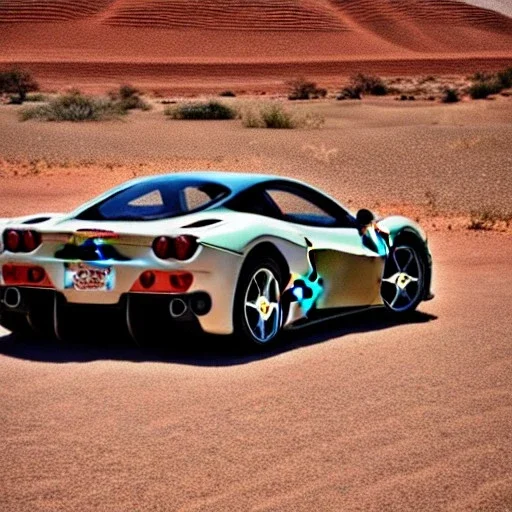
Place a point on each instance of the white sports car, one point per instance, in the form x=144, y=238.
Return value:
x=224, y=252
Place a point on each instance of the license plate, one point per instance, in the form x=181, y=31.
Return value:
x=84, y=277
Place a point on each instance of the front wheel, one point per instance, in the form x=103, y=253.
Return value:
x=258, y=313
x=403, y=282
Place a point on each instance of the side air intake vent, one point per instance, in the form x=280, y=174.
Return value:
x=202, y=223
x=36, y=220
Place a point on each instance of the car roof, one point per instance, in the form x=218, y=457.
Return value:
x=235, y=181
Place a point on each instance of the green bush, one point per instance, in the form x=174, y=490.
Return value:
x=128, y=98
x=74, y=107
x=483, y=89
x=301, y=89
x=450, y=96
x=19, y=82
x=504, y=77
x=368, y=84
x=198, y=110
x=274, y=116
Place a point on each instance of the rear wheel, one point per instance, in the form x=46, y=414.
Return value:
x=258, y=313
x=403, y=282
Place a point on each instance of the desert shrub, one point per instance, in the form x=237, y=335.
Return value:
x=450, y=96
x=349, y=93
x=200, y=110
x=369, y=84
x=274, y=116
x=301, y=89
x=487, y=220
x=128, y=97
x=504, y=78
x=227, y=94
x=483, y=89
x=403, y=97
x=252, y=119
x=73, y=107
x=19, y=82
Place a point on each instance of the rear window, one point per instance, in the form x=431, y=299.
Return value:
x=157, y=199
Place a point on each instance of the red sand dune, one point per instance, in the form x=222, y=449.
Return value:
x=307, y=35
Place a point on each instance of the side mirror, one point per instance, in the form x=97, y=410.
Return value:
x=364, y=217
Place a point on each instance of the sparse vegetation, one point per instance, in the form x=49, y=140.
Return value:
x=349, y=93
x=369, y=84
x=227, y=94
x=128, y=97
x=18, y=82
x=486, y=84
x=488, y=220
x=276, y=117
x=74, y=107
x=201, y=110
x=36, y=98
x=301, y=89
x=450, y=96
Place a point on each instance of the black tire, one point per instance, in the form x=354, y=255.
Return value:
x=404, y=277
x=245, y=329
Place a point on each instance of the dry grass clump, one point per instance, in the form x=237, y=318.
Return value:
x=75, y=107
x=363, y=84
x=489, y=220
x=201, y=110
x=450, y=96
x=302, y=89
x=277, y=117
x=485, y=84
x=128, y=97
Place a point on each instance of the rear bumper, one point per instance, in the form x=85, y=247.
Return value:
x=49, y=312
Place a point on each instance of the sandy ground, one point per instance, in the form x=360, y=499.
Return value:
x=360, y=414
x=378, y=153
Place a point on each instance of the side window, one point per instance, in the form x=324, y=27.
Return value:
x=153, y=198
x=194, y=198
x=296, y=208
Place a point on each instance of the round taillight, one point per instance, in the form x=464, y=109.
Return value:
x=12, y=240
x=162, y=247
x=36, y=274
x=181, y=282
x=147, y=279
x=184, y=247
x=31, y=240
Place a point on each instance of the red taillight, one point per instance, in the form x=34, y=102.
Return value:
x=181, y=281
x=147, y=279
x=184, y=247
x=12, y=240
x=26, y=275
x=181, y=247
x=21, y=241
x=31, y=240
x=160, y=281
x=162, y=247
x=36, y=274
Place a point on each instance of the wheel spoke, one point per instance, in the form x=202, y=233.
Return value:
x=261, y=327
x=252, y=305
x=397, y=296
x=255, y=281
x=392, y=279
x=406, y=266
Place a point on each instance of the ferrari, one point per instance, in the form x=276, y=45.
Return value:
x=217, y=252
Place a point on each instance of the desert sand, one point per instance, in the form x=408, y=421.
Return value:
x=355, y=414
x=185, y=45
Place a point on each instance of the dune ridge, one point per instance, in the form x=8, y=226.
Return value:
x=240, y=40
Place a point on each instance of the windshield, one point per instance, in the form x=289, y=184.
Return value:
x=156, y=199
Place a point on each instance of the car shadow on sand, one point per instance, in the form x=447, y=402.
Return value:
x=207, y=350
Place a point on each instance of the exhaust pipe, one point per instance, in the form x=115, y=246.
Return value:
x=12, y=298
x=177, y=308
